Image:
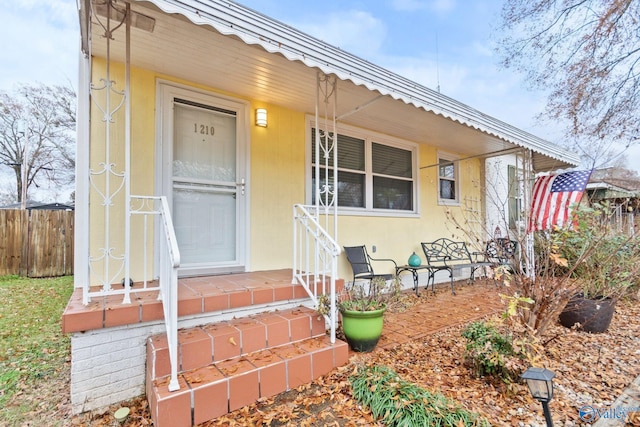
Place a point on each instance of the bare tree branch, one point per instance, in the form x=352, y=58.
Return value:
x=37, y=131
x=586, y=52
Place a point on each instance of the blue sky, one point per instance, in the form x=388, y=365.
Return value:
x=434, y=42
x=429, y=41
x=439, y=43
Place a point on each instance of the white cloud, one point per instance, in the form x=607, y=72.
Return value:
x=482, y=49
x=438, y=6
x=632, y=157
x=420, y=70
x=488, y=89
x=354, y=31
x=409, y=5
x=38, y=42
x=59, y=12
x=442, y=6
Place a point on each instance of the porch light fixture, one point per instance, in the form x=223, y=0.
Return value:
x=261, y=117
x=540, y=382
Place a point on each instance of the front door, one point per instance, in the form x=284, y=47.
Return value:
x=204, y=179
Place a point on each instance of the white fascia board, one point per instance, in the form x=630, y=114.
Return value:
x=252, y=27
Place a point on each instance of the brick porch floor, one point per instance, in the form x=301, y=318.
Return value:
x=441, y=311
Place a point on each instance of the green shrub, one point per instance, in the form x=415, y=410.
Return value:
x=488, y=351
x=396, y=402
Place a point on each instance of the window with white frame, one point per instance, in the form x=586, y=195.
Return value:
x=448, y=187
x=374, y=174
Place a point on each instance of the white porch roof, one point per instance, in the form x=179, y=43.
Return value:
x=236, y=49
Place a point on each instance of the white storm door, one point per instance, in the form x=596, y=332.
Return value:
x=207, y=186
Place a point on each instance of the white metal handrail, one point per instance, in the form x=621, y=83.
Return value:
x=167, y=269
x=154, y=212
x=169, y=263
x=315, y=260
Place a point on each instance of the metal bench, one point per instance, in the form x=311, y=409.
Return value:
x=446, y=254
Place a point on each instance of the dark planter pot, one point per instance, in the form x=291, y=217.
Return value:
x=362, y=328
x=593, y=315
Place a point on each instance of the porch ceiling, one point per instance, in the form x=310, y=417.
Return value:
x=202, y=54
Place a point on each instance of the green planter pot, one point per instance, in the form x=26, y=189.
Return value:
x=362, y=328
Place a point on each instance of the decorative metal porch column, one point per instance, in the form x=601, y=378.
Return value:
x=109, y=187
x=326, y=137
x=108, y=194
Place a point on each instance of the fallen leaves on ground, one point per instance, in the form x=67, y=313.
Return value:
x=591, y=369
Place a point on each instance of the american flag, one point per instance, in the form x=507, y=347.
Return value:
x=553, y=196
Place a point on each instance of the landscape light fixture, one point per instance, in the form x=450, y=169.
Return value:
x=261, y=117
x=540, y=382
x=122, y=414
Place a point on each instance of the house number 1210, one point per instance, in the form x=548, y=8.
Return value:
x=203, y=129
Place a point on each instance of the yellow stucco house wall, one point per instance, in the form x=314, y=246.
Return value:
x=277, y=180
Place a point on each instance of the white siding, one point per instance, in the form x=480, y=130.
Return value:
x=497, y=193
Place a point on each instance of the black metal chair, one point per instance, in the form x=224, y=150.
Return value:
x=360, y=262
x=502, y=251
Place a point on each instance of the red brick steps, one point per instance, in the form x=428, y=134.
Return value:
x=227, y=365
x=196, y=296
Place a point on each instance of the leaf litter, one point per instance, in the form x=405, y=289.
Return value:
x=591, y=369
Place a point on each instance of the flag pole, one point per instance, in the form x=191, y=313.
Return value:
x=528, y=238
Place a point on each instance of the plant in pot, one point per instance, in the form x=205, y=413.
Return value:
x=362, y=305
x=604, y=263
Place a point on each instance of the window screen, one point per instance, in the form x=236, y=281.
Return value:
x=371, y=175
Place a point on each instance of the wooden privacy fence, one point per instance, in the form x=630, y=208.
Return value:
x=36, y=243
